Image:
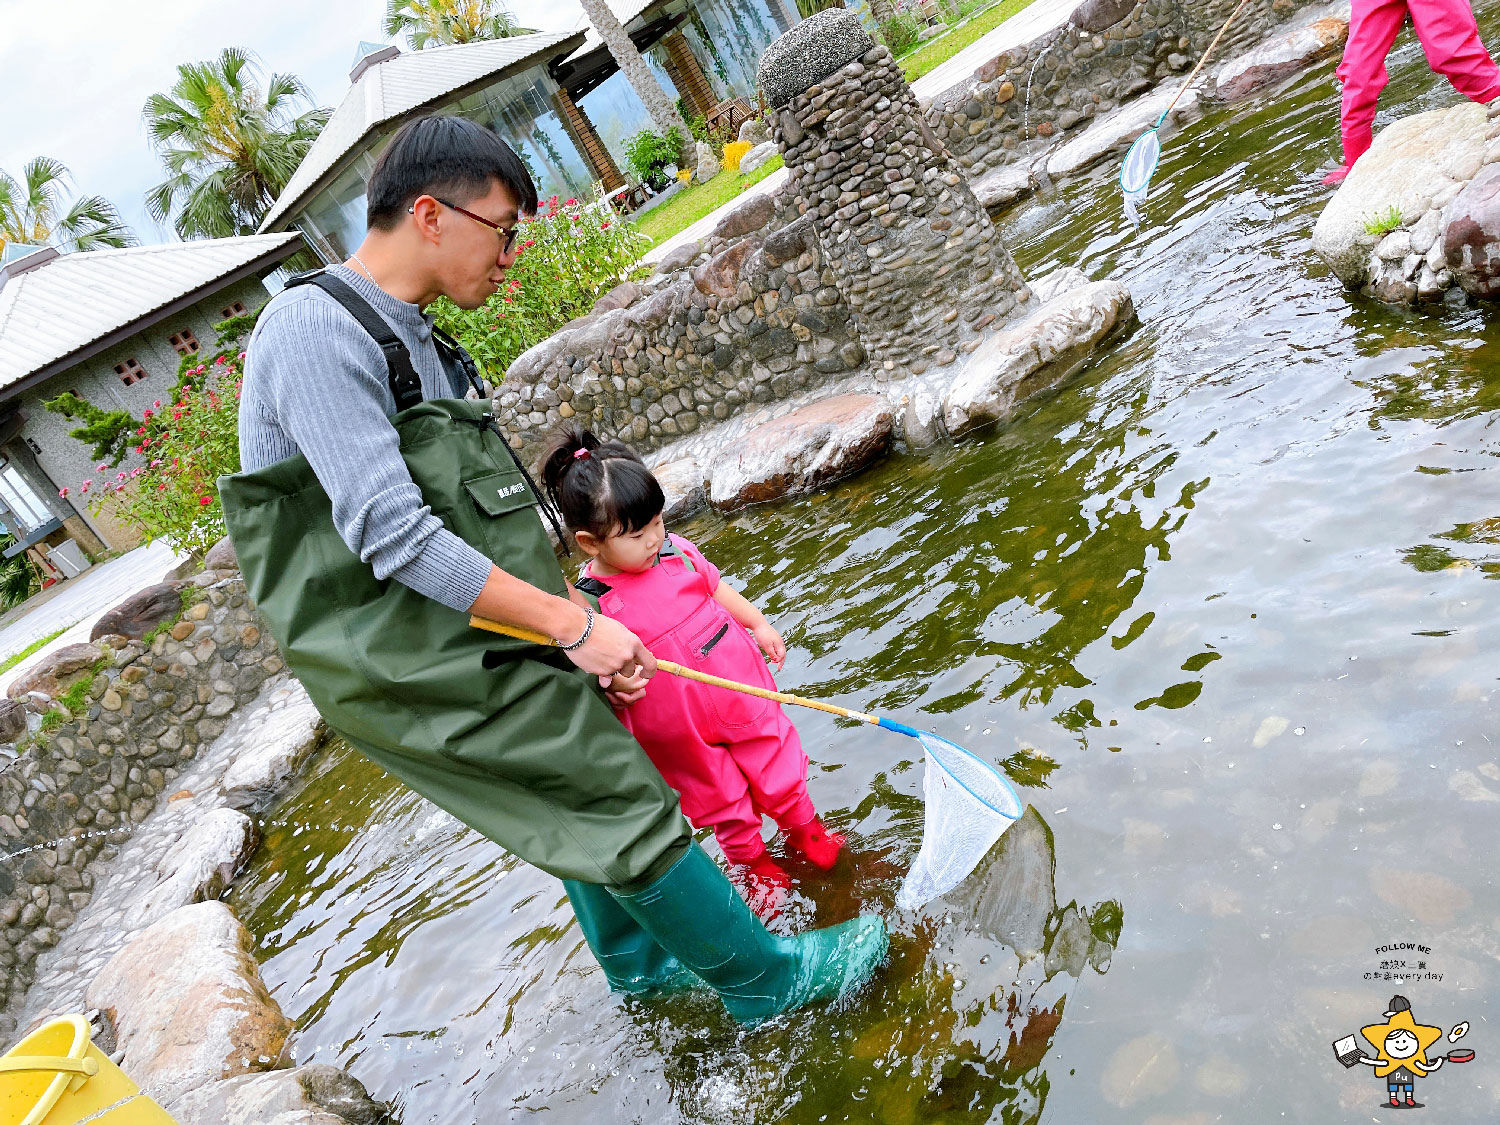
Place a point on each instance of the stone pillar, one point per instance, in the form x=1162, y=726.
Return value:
x=913, y=252
x=589, y=143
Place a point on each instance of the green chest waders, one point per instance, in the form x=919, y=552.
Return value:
x=509, y=737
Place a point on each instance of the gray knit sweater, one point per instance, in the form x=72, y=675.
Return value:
x=315, y=384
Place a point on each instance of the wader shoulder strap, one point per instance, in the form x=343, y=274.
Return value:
x=591, y=585
x=669, y=551
x=406, y=385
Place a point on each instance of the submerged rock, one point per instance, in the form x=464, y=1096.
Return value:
x=188, y=1004
x=802, y=451
x=280, y=746
x=316, y=1094
x=1383, y=231
x=1004, y=186
x=1034, y=355
x=202, y=864
x=1471, y=234
x=1280, y=57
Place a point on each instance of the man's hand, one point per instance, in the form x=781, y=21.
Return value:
x=612, y=649
x=770, y=643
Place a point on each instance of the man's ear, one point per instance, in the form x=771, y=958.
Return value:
x=424, y=213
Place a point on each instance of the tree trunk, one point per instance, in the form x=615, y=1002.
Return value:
x=663, y=109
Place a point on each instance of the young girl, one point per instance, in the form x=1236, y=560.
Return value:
x=732, y=756
x=1450, y=38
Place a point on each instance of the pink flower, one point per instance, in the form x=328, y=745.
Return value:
x=569, y=203
x=222, y=360
x=162, y=487
x=176, y=414
x=242, y=355
x=141, y=432
x=205, y=501
x=155, y=463
x=120, y=475
x=104, y=468
x=136, y=472
x=157, y=404
x=605, y=225
x=85, y=486
x=63, y=492
x=147, y=414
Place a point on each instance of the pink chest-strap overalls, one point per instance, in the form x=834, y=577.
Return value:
x=1450, y=37
x=731, y=756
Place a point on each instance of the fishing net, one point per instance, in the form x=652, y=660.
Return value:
x=1136, y=172
x=969, y=804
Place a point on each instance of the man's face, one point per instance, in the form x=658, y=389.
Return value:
x=471, y=257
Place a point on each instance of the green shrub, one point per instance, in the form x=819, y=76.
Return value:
x=901, y=32
x=571, y=255
x=649, y=152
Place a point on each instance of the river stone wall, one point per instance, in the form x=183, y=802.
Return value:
x=757, y=313
x=1026, y=98
x=149, y=711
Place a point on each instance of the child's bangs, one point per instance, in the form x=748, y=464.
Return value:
x=635, y=499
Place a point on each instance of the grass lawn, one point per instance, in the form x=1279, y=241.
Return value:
x=692, y=203
x=12, y=661
x=935, y=52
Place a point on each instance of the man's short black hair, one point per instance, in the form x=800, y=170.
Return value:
x=448, y=157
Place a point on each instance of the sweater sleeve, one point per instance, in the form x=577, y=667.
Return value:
x=335, y=413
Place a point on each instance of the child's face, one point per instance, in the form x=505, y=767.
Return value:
x=631, y=551
x=1401, y=1044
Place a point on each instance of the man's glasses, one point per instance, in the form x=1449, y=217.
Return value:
x=507, y=234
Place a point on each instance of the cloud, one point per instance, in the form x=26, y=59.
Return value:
x=72, y=88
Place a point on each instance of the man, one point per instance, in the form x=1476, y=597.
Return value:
x=377, y=511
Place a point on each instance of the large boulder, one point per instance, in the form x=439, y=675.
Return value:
x=746, y=218
x=622, y=296
x=1280, y=57
x=802, y=451
x=720, y=275
x=679, y=257
x=316, y=1094
x=200, y=865
x=138, y=614
x=13, y=724
x=188, y=1005
x=1383, y=230
x=283, y=740
x=1034, y=355
x=707, y=166
x=1100, y=15
x=1471, y=234
x=757, y=156
x=221, y=556
x=1004, y=186
x=57, y=670
x=682, y=482
x=754, y=130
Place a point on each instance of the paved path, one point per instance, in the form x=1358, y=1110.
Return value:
x=78, y=602
x=1037, y=18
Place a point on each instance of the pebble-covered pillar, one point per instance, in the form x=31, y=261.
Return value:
x=914, y=253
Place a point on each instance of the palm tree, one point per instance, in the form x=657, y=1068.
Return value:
x=32, y=211
x=663, y=110
x=228, y=147
x=437, y=23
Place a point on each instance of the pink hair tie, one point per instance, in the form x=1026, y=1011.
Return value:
x=580, y=454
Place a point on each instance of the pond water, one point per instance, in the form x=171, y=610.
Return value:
x=1226, y=604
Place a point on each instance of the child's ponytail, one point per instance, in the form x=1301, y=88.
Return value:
x=602, y=487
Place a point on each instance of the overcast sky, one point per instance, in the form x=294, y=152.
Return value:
x=73, y=80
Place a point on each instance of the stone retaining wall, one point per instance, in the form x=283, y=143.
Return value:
x=755, y=313
x=149, y=711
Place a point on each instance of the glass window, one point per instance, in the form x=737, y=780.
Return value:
x=17, y=495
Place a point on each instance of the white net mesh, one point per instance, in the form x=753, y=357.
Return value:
x=1136, y=172
x=969, y=804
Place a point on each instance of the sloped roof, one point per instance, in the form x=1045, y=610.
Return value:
x=624, y=10
x=394, y=89
x=70, y=307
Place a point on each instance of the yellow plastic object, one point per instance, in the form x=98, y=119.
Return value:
x=56, y=1076
x=734, y=152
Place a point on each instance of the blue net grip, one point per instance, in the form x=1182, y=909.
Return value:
x=899, y=728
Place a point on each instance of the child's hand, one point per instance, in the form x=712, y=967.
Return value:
x=771, y=644
x=624, y=690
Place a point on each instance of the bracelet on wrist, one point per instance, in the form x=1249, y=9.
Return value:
x=587, y=629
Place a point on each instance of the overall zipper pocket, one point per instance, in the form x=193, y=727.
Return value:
x=713, y=640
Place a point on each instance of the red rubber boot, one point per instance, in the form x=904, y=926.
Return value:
x=764, y=886
x=812, y=840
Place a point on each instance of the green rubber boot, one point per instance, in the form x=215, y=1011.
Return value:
x=693, y=912
x=631, y=959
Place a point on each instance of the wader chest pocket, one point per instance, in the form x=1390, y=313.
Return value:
x=500, y=493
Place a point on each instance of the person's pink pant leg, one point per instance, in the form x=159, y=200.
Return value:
x=1449, y=37
x=774, y=769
